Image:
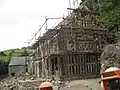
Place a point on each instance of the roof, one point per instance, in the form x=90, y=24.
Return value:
x=17, y=61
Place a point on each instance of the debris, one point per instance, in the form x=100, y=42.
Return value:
x=24, y=82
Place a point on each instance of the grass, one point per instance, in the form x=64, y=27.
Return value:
x=15, y=53
x=4, y=58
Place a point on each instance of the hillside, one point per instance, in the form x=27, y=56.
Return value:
x=109, y=15
x=7, y=54
x=5, y=57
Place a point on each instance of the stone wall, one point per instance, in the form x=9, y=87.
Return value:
x=17, y=70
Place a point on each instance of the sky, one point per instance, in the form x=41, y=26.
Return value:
x=21, y=19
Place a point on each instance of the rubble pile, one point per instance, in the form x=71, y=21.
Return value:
x=110, y=56
x=26, y=82
x=23, y=82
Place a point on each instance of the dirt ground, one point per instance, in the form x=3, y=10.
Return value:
x=88, y=84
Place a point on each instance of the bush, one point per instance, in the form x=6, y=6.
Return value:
x=3, y=68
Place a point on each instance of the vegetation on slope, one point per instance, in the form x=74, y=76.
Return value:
x=5, y=57
x=110, y=16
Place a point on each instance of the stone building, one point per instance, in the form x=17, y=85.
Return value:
x=72, y=49
x=17, y=66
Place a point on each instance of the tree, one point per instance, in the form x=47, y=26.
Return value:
x=10, y=54
x=2, y=54
x=25, y=53
x=110, y=16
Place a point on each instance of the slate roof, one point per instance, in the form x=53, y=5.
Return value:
x=17, y=61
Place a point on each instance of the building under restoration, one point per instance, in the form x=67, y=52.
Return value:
x=72, y=49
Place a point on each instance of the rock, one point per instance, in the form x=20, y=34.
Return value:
x=110, y=56
x=26, y=82
x=32, y=78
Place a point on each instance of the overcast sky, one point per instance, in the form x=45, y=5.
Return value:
x=20, y=19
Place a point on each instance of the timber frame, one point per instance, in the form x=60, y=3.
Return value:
x=72, y=49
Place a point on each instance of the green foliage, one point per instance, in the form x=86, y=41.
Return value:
x=5, y=57
x=109, y=5
x=92, y=5
x=3, y=68
x=25, y=53
x=110, y=15
x=2, y=54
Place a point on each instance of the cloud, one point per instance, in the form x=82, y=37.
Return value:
x=32, y=5
x=20, y=19
x=8, y=22
x=1, y=3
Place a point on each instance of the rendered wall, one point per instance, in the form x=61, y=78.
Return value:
x=17, y=70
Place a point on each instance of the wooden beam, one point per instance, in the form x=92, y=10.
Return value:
x=81, y=11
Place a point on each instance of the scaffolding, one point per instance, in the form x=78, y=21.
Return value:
x=72, y=49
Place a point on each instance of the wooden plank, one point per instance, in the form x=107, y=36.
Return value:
x=75, y=70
